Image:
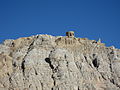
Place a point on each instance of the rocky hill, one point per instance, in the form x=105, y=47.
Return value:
x=45, y=62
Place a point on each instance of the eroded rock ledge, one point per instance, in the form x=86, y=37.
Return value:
x=45, y=62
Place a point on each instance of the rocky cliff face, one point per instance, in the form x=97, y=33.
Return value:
x=45, y=62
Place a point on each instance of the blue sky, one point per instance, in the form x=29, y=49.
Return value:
x=93, y=19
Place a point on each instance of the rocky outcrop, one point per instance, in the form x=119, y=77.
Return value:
x=45, y=62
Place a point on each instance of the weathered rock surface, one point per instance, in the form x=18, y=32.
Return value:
x=45, y=62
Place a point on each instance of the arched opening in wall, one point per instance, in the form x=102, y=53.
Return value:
x=95, y=63
x=70, y=34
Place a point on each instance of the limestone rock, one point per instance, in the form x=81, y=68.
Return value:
x=45, y=62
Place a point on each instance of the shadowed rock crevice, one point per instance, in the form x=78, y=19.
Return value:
x=23, y=62
x=53, y=71
x=23, y=67
x=96, y=63
x=49, y=62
